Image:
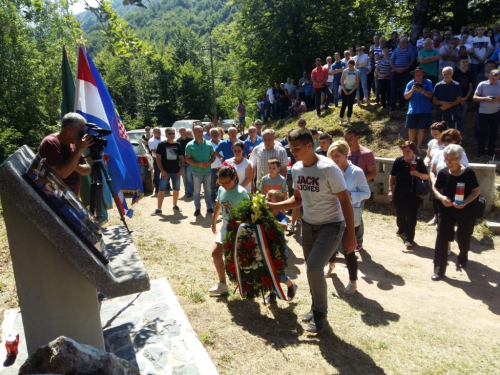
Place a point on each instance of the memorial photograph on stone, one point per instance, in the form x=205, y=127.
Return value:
x=66, y=205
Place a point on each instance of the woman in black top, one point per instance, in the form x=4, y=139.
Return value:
x=451, y=213
x=402, y=190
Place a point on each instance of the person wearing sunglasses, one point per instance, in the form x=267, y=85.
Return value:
x=488, y=96
x=170, y=160
x=452, y=211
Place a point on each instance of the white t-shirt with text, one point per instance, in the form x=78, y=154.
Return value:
x=318, y=186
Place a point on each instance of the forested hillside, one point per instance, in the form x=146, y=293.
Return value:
x=155, y=57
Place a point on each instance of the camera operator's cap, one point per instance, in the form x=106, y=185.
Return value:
x=418, y=69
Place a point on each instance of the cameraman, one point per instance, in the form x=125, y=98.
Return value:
x=63, y=150
x=419, y=93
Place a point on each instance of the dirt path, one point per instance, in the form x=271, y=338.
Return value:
x=400, y=322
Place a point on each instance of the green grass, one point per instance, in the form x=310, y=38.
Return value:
x=205, y=338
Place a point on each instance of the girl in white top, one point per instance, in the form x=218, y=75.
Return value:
x=433, y=146
x=242, y=165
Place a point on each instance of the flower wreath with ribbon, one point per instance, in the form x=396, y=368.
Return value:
x=254, y=248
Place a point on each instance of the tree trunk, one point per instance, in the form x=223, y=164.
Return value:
x=419, y=19
x=460, y=14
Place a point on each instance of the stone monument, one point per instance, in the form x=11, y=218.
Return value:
x=58, y=271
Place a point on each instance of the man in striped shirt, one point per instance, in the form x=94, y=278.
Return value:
x=384, y=73
x=402, y=60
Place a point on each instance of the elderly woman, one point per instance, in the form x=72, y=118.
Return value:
x=242, y=165
x=359, y=190
x=402, y=190
x=454, y=209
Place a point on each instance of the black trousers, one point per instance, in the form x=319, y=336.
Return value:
x=488, y=129
x=347, y=102
x=406, y=213
x=350, y=259
x=317, y=97
x=384, y=88
x=465, y=219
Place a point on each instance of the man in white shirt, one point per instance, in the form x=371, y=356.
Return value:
x=426, y=33
x=481, y=46
x=270, y=97
x=153, y=144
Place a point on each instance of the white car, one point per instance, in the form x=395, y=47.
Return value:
x=226, y=124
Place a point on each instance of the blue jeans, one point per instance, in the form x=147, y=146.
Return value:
x=336, y=93
x=187, y=179
x=398, y=86
x=198, y=180
x=363, y=77
x=319, y=242
x=213, y=184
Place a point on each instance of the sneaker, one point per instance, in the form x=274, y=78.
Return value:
x=341, y=122
x=197, y=213
x=176, y=208
x=290, y=227
x=408, y=244
x=348, y=121
x=431, y=222
x=290, y=295
x=210, y=211
x=350, y=289
x=270, y=299
x=156, y=212
x=155, y=192
x=188, y=195
x=318, y=324
x=218, y=289
x=308, y=317
x=358, y=248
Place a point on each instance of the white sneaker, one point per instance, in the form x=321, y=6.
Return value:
x=408, y=244
x=218, y=289
x=290, y=227
x=431, y=222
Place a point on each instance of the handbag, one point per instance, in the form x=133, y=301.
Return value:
x=479, y=206
x=422, y=187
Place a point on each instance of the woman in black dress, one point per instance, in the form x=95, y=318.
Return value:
x=461, y=213
x=402, y=190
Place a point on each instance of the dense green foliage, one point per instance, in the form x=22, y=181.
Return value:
x=154, y=55
x=32, y=34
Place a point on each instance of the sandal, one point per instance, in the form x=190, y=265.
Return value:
x=350, y=289
x=330, y=270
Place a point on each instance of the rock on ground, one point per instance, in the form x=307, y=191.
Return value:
x=66, y=356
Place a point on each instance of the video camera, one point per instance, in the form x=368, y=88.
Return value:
x=98, y=133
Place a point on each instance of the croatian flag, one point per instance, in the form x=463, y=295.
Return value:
x=93, y=102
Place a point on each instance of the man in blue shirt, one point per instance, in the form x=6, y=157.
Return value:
x=419, y=93
x=402, y=60
x=252, y=141
x=336, y=70
x=447, y=97
x=224, y=149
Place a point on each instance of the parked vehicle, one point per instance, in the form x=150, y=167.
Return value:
x=226, y=124
x=145, y=161
x=188, y=124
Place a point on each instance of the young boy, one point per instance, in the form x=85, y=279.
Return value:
x=276, y=196
x=464, y=77
x=273, y=180
x=319, y=187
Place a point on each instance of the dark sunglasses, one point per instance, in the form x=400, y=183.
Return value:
x=447, y=140
x=170, y=133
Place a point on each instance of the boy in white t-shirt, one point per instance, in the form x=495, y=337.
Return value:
x=481, y=46
x=319, y=187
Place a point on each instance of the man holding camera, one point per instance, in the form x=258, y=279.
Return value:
x=419, y=93
x=63, y=150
